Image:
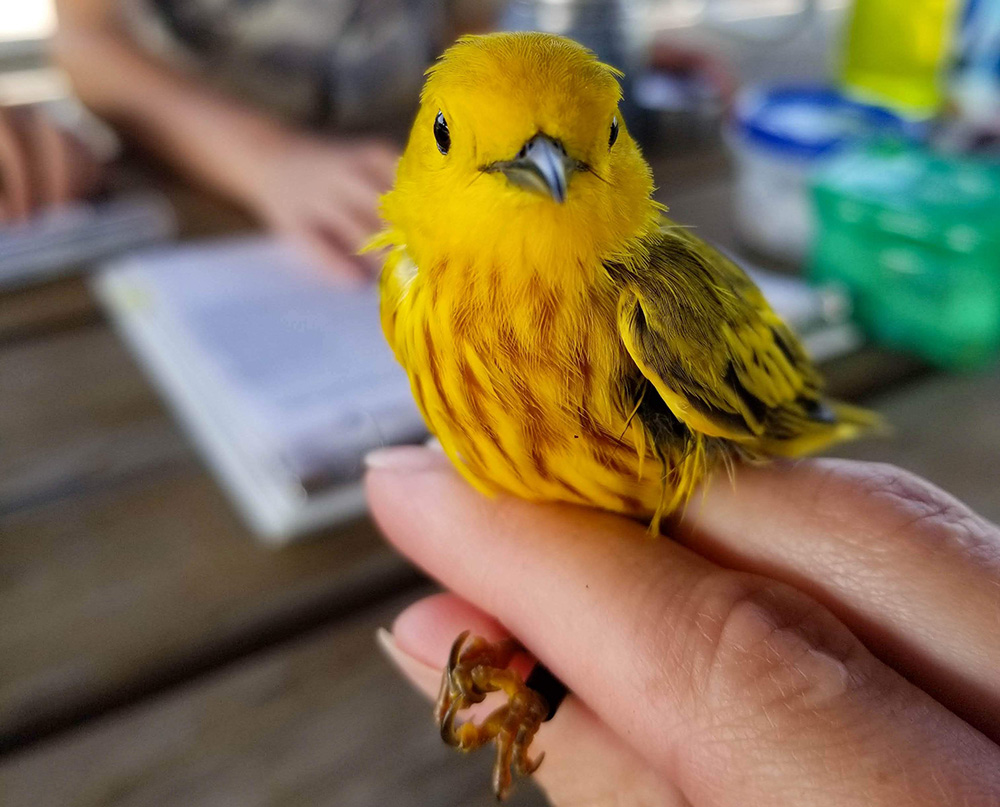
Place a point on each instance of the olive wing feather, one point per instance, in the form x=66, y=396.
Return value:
x=703, y=335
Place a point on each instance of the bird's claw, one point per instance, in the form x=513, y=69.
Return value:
x=475, y=668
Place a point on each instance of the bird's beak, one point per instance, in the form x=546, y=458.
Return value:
x=541, y=165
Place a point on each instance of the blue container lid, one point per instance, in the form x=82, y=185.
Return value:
x=808, y=122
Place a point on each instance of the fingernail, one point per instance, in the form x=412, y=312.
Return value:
x=423, y=676
x=405, y=459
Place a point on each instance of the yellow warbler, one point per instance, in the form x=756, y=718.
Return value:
x=564, y=340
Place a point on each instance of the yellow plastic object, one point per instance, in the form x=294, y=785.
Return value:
x=895, y=52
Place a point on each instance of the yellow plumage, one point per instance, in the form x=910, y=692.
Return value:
x=563, y=339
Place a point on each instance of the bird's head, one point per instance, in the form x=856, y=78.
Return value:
x=519, y=154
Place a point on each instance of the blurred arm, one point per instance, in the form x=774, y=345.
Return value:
x=201, y=132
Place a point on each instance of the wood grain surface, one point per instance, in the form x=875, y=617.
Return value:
x=319, y=722
x=76, y=414
x=116, y=593
x=42, y=310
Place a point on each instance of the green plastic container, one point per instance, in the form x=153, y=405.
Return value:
x=915, y=237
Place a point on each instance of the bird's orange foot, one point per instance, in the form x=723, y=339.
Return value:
x=476, y=668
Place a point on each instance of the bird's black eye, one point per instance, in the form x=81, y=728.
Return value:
x=614, y=132
x=441, y=133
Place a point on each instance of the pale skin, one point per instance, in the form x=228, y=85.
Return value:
x=821, y=634
x=319, y=192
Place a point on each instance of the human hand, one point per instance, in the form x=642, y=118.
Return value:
x=674, y=57
x=323, y=196
x=731, y=667
x=40, y=164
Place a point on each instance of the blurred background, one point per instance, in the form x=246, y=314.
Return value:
x=191, y=369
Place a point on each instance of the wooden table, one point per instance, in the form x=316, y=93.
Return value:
x=152, y=654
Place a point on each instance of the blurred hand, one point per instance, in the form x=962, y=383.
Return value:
x=40, y=163
x=733, y=668
x=323, y=195
x=685, y=60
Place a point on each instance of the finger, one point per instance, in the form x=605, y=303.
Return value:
x=14, y=173
x=351, y=222
x=742, y=690
x=88, y=173
x=367, y=216
x=53, y=162
x=585, y=763
x=912, y=571
x=367, y=223
x=346, y=229
x=358, y=194
x=677, y=58
x=326, y=253
x=379, y=161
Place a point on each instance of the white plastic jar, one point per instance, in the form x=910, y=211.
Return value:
x=779, y=136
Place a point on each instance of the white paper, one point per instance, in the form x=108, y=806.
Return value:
x=298, y=357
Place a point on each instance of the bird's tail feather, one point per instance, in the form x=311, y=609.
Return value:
x=849, y=423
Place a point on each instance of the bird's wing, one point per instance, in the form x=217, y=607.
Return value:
x=703, y=335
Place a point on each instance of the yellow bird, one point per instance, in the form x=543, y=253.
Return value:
x=564, y=340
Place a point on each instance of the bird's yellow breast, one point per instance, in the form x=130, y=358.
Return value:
x=520, y=381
